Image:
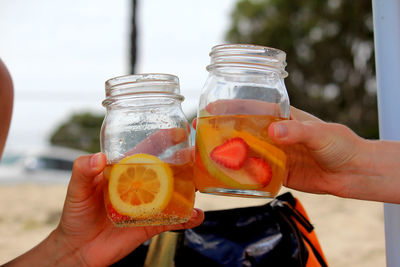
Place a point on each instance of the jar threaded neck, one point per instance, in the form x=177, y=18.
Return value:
x=248, y=56
x=142, y=86
x=142, y=83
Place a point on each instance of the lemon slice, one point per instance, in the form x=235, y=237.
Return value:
x=140, y=186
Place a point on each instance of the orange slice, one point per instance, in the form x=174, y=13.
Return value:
x=270, y=152
x=140, y=186
x=209, y=137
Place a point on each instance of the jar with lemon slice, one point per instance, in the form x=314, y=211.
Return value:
x=146, y=139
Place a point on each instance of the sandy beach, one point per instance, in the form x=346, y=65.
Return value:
x=351, y=232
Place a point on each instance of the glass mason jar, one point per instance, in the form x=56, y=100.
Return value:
x=243, y=94
x=146, y=139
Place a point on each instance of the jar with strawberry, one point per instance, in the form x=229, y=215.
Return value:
x=243, y=95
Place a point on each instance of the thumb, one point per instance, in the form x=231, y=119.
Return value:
x=331, y=144
x=289, y=132
x=85, y=169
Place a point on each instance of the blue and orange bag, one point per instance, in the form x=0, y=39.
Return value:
x=278, y=233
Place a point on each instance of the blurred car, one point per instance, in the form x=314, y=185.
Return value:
x=49, y=164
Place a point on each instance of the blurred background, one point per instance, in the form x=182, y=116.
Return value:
x=60, y=53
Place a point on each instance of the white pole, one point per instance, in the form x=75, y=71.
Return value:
x=386, y=14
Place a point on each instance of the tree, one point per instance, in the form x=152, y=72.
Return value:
x=80, y=131
x=329, y=46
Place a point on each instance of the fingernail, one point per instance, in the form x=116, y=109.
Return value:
x=280, y=131
x=95, y=160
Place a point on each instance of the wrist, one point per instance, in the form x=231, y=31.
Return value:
x=376, y=172
x=62, y=253
x=52, y=251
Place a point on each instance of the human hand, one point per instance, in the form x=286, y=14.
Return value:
x=107, y=240
x=85, y=235
x=84, y=227
x=322, y=157
x=329, y=157
x=309, y=161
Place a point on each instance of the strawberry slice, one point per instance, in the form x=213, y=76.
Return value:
x=232, y=154
x=259, y=170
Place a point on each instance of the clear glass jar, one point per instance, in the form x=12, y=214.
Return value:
x=243, y=94
x=146, y=139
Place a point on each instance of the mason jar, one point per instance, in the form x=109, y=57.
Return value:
x=146, y=139
x=243, y=94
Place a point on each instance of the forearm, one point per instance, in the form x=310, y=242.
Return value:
x=380, y=179
x=52, y=251
x=6, y=103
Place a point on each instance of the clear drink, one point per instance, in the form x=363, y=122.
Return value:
x=146, y=139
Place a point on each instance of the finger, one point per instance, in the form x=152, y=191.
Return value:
x=126, y=239
x=311, y=134
x=195, y=220
x=300, y=115
x=137, y=235
x=181, y=156
x=243, y=106
x=84, y=172
x=315, y=135
x=192, y=153
x=159, y=141
x=333, y=145
x=194, y=123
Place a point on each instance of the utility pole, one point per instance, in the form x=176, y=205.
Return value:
x=133, y=38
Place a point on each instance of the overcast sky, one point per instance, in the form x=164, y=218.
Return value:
x=60, y=53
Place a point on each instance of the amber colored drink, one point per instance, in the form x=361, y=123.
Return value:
x=234, y=156
x=141, y=192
